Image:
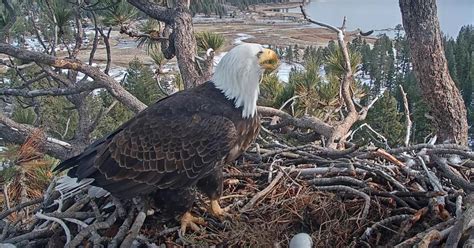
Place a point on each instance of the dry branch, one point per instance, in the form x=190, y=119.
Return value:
x=101, y=79
x=407, y=116
x=262, y=193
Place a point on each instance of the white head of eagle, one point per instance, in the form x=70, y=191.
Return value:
x=239, y=73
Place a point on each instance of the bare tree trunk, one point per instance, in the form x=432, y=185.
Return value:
x=185, y=44
x=431, y=69
x=179, y=30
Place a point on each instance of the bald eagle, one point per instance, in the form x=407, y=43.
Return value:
x=181, y=142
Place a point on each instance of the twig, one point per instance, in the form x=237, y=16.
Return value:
x=168, y=230
x=5, y=231
x=433, y=180
x=311, y=172
x=459, y=206
x=60, y=222
x=340, y=180
x=124, y=228
x=458, y=181
x=407, y=116
x=19, y=207
x=73, y=215
x=289, y=149
x=94, y=227
x=133, y=233
x=427, y=146
x=383, y=223
x=262, y=193
x=30, y=236
x=430, y=237
x=365, y=211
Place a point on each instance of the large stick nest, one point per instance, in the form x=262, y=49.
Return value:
x=342, y=198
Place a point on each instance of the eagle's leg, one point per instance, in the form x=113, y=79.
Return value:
x=211, y=186
x=188, y=220
x=172, y=203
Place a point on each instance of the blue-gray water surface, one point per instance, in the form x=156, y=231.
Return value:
x=383, y=14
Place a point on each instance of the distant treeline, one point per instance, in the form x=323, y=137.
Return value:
x=218, y=7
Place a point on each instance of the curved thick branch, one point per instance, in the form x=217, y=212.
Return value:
x=154, y=10
x=309, y=122
x=11, y=131
x=341, y=129
x=100, y=78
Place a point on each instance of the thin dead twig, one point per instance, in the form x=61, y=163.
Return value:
x=30, y=236
x=458, y=181
x=340, y=180
x=407, y=116
x=383, y=223
x=430, y=237
x=60, y=222
x=91, y=228
x=365, y=211
x=19, y=207
x=427, y=146
x=262, y=193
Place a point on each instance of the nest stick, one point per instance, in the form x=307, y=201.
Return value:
x=135, y=229
x=91, y=228
x=365, y=211
x=19, y=207
x=383, y=223
x=60, y=222
x=262, y=193
x=30, y=236
x=124, y=228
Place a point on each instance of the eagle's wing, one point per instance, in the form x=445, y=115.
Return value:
x=164, y=148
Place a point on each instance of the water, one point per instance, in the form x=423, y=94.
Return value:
x=383, y=14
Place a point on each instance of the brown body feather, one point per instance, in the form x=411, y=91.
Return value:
x=168, y=148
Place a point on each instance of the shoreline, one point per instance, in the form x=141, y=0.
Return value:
x=248, y=26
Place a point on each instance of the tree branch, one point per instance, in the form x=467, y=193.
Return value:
x=135, y=34
x=154, y=10
x=407, y=116
x=11, y=131
x=100, y=78
x=312, y=123
x=89, y=86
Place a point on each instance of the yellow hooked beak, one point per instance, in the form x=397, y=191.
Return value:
x=268, y=60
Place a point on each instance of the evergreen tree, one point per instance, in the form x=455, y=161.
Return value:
x=296, y=53
x=140, y=82
x=289, y=54
x=387, y=120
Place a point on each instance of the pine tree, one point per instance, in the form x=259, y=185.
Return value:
x=140, y=82
x=386, y=119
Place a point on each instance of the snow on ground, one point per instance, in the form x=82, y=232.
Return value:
x=241, y=38
x=126, y=44
x=285, y=69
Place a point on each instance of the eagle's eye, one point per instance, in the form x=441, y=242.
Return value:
x=259, y=53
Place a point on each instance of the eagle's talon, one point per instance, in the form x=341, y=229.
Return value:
x=219, y=212
x=188, y=220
